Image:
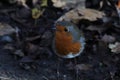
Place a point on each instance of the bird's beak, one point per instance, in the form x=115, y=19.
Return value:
x=53, y=27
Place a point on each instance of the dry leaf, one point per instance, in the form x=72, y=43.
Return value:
x=6, y=29
x=108, y=38
x=58, y=3
x=8, y=47
x=104, y=3
x=26, y=59
x=81, y=13
x=23, y=3
x=34, y=2
x=44, y=3
x=25, y=66
x=36, y=13
x=19, y=53
x=115, y=48
x=68, y=4
x=32, y=49
x=96, y=28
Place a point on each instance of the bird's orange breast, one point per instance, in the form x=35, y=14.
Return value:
x=118, y=5
x=64, y=42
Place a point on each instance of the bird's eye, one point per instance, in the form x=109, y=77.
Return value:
x=66, y=30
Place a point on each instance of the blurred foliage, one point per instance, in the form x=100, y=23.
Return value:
x=44, y=3
x=38, y=10
x=36, y=13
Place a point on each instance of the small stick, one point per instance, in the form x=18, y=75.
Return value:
x=45, y=78
x=3, y=78
x=76, y=70
x=35, y=24
x=7, y=10
x=33, y=38
x=64, y=77
x=18, y=37
x=58, y=72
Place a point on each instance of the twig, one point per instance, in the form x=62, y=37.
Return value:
x=64, y=77
x=112, y=75
x=3, y=78
x=58, y=72
x=18, y=37
x=6, y=10
x=44, y=77
x=13, y=17
x=33, y=38
x=35, y=23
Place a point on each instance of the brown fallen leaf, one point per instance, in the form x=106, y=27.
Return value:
x=79, y=13
x=68, y=4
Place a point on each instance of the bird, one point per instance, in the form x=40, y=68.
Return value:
x=69, y=41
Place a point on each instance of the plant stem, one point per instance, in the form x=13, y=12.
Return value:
x=35, y=24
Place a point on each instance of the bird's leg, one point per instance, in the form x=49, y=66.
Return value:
x=76, y=69
x=58, y=66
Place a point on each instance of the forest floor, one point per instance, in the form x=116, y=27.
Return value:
x=96, y=62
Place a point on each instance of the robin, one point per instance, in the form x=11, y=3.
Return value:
x=69, y=41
